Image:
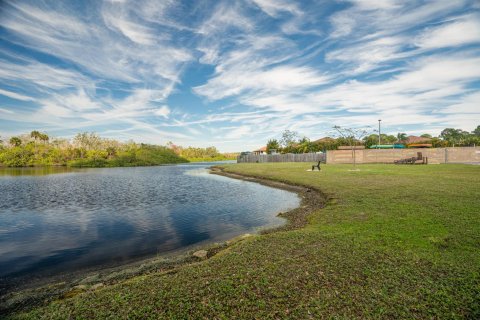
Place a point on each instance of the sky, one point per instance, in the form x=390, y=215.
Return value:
x=237, y=73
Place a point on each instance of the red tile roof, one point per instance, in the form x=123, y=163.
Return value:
x=415, y=139
x=264, y=149
x=325, y=139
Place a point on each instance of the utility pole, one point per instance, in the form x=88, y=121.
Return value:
x=379, y=141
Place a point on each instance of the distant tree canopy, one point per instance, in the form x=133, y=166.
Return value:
x=201, y=154
x=86, y=150
x=15, y=141
x=476, y=132
x=273, y=144
x=456, y=136
x=288, y=138
x=291, y=143
x=36, y=135
x=372, y=139
x=401, y=136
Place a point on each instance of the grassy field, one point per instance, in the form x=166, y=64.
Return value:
x=392, y=242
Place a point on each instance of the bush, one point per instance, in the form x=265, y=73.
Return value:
x=88, y=163
x=16, y=157
x=89, y=150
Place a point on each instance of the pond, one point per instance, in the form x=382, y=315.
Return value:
x=59, y=221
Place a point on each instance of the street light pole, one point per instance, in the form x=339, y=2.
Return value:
x=379, y=141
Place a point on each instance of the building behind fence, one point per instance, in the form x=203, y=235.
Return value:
x=288, y=157
x=435, y=155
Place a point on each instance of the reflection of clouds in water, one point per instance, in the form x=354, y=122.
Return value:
x=13, y=227
x=84, y=242
x=197, y=172
x=104, y=215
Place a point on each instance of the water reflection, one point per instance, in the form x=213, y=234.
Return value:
x=57, y=223
x=34, y=171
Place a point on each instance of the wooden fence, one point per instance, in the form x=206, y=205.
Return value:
x=288, y=157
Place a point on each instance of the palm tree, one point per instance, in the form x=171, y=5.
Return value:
x=15, y=141
x=44, y=137
x=401, y=136
x=35, y=134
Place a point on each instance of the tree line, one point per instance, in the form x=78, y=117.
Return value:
x=195, y=154
x=290, y=141
x=88, y=149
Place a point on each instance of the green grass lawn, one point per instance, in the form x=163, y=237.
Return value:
x=392, y=242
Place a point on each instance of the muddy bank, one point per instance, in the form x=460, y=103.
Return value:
x=37, y=292
x=311, y=199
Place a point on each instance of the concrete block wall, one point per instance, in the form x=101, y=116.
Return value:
x=435, y=155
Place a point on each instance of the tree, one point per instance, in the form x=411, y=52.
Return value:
x=370, y=140
x=44, y=137
x=352, y=136
x=15, y=141
x=87, y=141
x=326, y=143
x=401, y=136
x=471, y=140
x=454, y=136
x=289, y=138
x=111, y=152
x=373, y=139
x=273, y=144
x=426, y=135
x=450, y=134
x=476, y=131
x=304, y=145
x=390, y=139
x=35, y=134
x=174, y=147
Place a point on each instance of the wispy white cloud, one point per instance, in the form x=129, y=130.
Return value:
x=382, y=18
x=243, y=70
x=368, y=55
x=376, y=5
x=163, y=111
x=6, y=111
x=104, y=52
x=238, y=80
x=224, y=17
x=275, y=7
x=465, y=30
x=15, y=95
x=135, y=32
x=468, y=105
x=42, y=76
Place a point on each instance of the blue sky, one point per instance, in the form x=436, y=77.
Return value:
x=236, y=73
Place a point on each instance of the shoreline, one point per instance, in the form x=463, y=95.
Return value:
x=311, y=199
x=25, y=296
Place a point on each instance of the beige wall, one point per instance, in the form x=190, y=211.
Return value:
x=289, y=157
x=435, y=155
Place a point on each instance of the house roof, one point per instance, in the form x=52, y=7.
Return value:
x=325, y=139
x=264, y=149
x=415, y=139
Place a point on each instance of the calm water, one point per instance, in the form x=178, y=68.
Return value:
x=55, y=223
